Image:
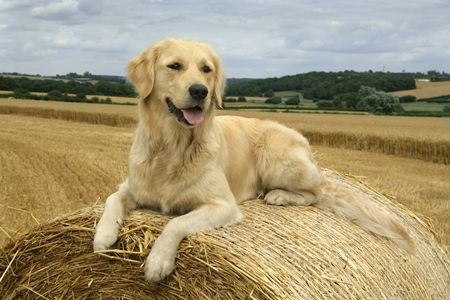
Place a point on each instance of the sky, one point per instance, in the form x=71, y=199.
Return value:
x=255, y=38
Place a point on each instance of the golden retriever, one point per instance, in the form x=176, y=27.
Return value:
x=186, y=161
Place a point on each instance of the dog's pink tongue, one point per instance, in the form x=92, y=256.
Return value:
x=193, y=116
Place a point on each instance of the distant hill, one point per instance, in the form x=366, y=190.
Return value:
x=71, y=76
x=238, y=80
x=88, y=77
x=75, y=84
x=324, y=85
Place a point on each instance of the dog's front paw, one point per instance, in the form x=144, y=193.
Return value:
x=158, y=266
x=105, y=237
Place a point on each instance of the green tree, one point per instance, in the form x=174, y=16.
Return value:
x=242, y=99
x=337, y=102
x=380, y=103
x=407, y=98
x=71, y=87
x=21, y=91
x=446, y=108
x=25, y=83
x=350, y=99
x=257, y=91
x=365, y=91
x=324, y=104
x=269, y=93
x=8, y=84
x=81, y=96
x=274, y=100
x=55, y=93
x=293, y=100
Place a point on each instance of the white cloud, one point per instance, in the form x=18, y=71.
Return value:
x=254, y=38
x=91, y=7
x=270, y=70
x=56, y=10
x=48, y=52
x=65, y=37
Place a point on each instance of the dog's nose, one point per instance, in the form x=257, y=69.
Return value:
x=198, y=91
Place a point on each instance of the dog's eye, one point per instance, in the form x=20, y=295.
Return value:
x=206, y=69
x=174, y=66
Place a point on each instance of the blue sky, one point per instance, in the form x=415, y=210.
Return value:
x=256, y=39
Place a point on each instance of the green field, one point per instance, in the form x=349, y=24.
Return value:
x=307, y=103
x=423, y=106
x=286, y=94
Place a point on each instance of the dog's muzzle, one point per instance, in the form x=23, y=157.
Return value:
x=193, y=115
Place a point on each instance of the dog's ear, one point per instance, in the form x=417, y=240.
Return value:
x=141, y=71
x=219, y=81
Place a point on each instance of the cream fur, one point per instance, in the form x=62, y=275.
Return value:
x=203, y=171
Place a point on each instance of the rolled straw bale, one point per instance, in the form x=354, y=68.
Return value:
x=276, y=253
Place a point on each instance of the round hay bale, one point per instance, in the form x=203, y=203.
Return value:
x=276, y=253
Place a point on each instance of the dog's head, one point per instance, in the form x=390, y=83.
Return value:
x=185, y=77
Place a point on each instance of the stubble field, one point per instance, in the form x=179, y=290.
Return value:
x=50, y=167
x=426, y=89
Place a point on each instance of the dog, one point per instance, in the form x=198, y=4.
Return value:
x=186, y=161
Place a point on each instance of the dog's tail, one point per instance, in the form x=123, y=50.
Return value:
x=363, y=213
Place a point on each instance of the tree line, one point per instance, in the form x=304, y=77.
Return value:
x=56, y=95
x=88, y=75
x=323, y=85
x=101, y=88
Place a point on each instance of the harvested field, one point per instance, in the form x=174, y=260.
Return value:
x=385, y=126
x=71, y=115
x=427, y=139
x=126, y=110
x=53, y=167
x=436, y=150
x=276, y=253
x=113, y=98
x=81, y=112
x=427, y=90
x=421, y=186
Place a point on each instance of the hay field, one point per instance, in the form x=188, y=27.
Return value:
x=113, y=98
x=427, y=90
x=126, y=110
x=386, y=126
x=36, y=93
x=427, y=139
x=433, y=129
x=420, y=138
x=421, y=186
x=52, y=167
